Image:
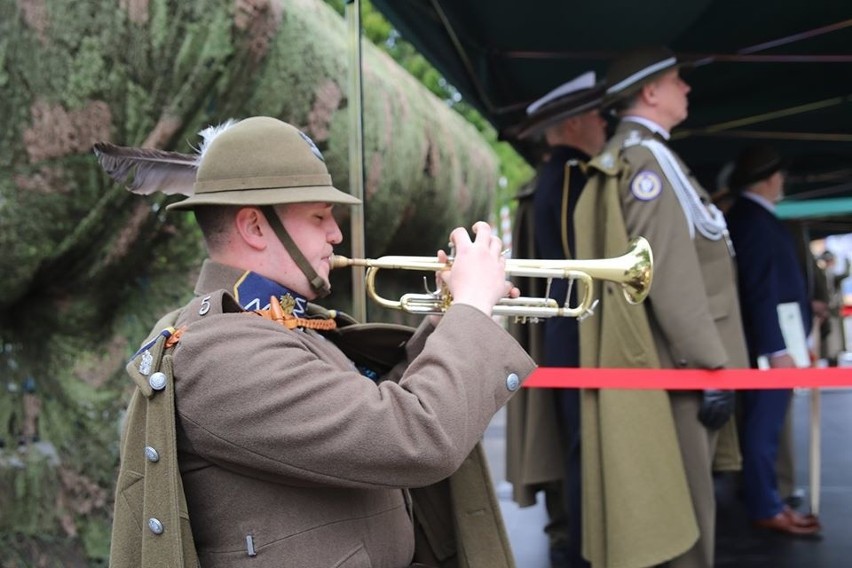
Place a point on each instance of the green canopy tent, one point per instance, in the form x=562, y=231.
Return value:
x=778, y=71
x=825, y=216
x=773, y=71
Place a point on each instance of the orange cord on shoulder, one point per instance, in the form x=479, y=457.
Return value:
x=174, y=338
x=276, y=313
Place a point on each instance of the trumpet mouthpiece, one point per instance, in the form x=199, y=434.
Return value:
x=338, y=261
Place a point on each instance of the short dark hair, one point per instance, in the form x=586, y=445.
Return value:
x=215, y=224
x=624, y=104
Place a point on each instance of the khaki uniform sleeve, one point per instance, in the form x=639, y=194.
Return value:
x=678, y=301
x=288, y=406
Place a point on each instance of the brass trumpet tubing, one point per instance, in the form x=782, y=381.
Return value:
x=424, y=304
x=541, y=312
x=633, y=271
x=423, y=263
x=530, y=301
x=429, y=304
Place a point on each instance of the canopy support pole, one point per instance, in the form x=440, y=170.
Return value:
x=815, y=442
x=356, y=156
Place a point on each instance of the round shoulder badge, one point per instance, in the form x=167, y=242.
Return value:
x=646, y=185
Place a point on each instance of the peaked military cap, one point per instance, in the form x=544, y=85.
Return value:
x=754, y=164
x=626, y=74
x=262, y=161
x=581, y=94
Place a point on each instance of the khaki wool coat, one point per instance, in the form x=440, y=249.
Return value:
x=638, y=506
x=534, y=450
x=288, y=456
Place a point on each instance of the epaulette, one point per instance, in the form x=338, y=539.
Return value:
x=146, y=362
x=607, y=162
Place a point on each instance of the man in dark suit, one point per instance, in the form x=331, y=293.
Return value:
x=769, y=274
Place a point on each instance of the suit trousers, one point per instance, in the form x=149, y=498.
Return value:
x=764, y=412
x=786, y=465
x=697, y=446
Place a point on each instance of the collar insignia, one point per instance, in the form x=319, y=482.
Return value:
x=146, y=362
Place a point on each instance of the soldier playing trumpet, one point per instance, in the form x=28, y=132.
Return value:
x=253, y=443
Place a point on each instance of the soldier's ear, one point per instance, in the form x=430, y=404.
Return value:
x=252, y=227
x=648, y=92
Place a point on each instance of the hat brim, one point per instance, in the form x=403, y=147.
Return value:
x=614, y=96
x=741, y=180
x=558, y=111
x=266, y=196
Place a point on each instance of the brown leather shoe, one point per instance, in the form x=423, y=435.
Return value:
x=792, y=523
x=801, y=520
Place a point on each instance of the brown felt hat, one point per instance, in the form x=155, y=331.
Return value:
x=626, y=74
x=754, y=164
x=262, y=161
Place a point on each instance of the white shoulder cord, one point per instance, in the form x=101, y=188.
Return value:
x=708, y=219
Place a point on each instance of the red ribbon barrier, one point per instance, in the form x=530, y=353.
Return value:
x=688, y=379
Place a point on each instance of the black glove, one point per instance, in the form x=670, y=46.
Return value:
x=717, y=406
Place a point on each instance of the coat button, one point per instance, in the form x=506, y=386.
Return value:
x=513, y=382
x=151, y=454
x=155, y=525
x=157, y=381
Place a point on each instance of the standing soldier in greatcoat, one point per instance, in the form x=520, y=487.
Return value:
x=648, y=455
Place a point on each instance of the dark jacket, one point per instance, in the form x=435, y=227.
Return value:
x=769, y=274
x=560, y=183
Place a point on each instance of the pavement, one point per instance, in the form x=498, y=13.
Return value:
x=525, y=526
x=738, y=544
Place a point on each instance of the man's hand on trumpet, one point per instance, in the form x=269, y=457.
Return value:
x=477, y=276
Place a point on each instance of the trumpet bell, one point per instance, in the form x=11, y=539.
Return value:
x=638, y=271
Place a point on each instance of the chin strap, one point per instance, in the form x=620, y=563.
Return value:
x=319, y=285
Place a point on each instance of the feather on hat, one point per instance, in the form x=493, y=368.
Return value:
x=257, y=161
x=148, y=170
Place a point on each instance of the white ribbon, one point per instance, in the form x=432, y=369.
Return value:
x=707, y=218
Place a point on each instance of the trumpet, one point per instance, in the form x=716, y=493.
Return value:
x=633, y=271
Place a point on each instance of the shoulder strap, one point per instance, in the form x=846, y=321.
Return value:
x=149, y=357
x=610, y=162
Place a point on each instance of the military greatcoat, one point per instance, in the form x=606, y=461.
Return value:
x=534, y=449
x=648, y=494
x=289, y=456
